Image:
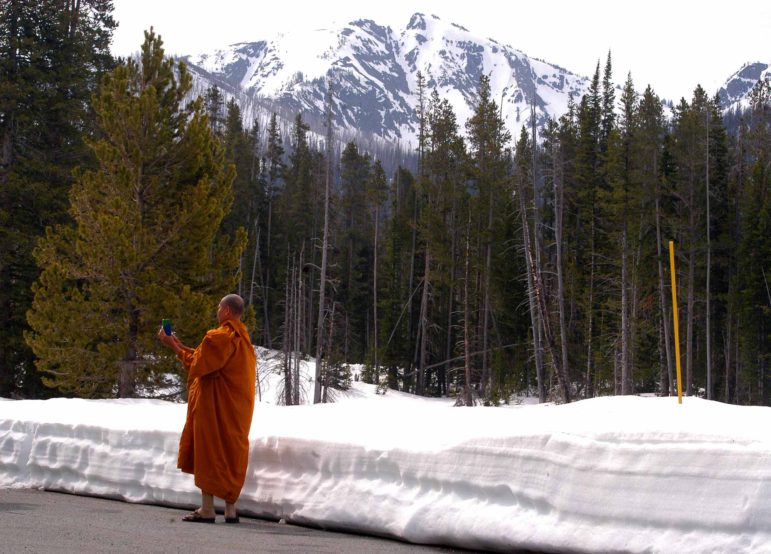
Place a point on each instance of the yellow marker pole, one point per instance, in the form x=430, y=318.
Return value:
x=677, y=325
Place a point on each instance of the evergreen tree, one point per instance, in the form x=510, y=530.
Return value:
x=144, y=243
x=214, y=103
x=355, y=235
x=650, y=170
x=395, y=338
x=688, y=148
x=754, y=280
x=488, y=140
x=275, y=173
x=52, y=55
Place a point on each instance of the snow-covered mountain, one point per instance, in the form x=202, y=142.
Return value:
x=735, y=92
x=373, y=70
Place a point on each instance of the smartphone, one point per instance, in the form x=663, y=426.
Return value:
x=166, y=323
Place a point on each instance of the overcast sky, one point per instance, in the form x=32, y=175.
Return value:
x=671, y=44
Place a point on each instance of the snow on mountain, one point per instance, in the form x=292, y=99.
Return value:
x=735, y=92
x=373, y=70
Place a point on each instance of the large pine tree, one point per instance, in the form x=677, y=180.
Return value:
x=142, y=246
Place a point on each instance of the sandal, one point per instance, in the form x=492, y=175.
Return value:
x=196, y=517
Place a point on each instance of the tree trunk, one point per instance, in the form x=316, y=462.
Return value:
x=664, y=312
x=413, y=250
x=590, y=321
x=709, y=270
x=450, y=304
x=540, y=300
x=626, y=378
x=466, y=317
x=266, y=295
x=127, y=379
x=558, y=213
x=421, y=388
x=374, y=295
x=323, y=276
x=288, y=346
x=691, y=299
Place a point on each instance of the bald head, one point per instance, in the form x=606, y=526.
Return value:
x=231, y=307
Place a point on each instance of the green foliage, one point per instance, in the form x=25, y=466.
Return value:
x=144, y=244
x=51, y=57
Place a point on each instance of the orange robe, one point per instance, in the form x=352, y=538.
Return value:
x=214, y=446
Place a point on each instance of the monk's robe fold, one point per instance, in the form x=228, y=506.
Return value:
x=214, y=446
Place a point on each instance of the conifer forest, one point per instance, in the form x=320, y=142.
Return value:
x=490, y=265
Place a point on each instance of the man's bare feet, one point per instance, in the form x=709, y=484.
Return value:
x=231, y=516
x=205, y=513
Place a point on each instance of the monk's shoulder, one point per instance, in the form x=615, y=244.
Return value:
x=219, y=337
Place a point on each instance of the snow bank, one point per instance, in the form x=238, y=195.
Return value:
x=609, y=474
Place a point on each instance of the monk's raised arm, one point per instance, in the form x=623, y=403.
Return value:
x=210, y=356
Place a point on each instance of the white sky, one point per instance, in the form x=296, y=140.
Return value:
x=671, y=44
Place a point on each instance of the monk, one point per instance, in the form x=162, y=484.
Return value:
x=214, y=446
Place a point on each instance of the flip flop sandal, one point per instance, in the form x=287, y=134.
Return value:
x=195, y=517
x=232, y=520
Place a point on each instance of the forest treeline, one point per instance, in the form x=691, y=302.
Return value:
x=502, y=264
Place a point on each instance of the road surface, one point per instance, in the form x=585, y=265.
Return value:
x=50, y=522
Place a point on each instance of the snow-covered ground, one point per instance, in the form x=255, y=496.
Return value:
x=609, y=474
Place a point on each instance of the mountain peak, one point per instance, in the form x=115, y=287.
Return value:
x=375, y=68
x=733, y=93
x=417, y=22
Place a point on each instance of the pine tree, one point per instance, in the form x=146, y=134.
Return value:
x=488, y=140
x=355, y=247
x=144, y=243
x=754, y=280
x=275, y=173
x=689, y=146
x=377, y=189
x=650, y=156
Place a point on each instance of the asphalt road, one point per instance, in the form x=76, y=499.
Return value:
x=50, y=522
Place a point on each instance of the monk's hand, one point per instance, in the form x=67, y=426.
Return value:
x=177, y=342
x=168, y=340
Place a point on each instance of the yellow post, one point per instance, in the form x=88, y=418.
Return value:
x=677, y=325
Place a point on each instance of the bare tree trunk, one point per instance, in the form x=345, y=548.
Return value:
x=450, y=305
x=535, y=320
x=664, y=313
x=325, y=243
x=267, y=284
x=539, y=330
x=254, y=261
x=626, y=378
x=691, y=292
x=634, y=283
x=590, y=322
x=413, y=250
x=466, y=318
x=486, y=313
x=330, y=337
x=421, y=389
x=288, y=335
x=374, y=296
x=299, y=327
x=558, y=213
x=727, y=354
x=540, y=299
x=709, y=270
